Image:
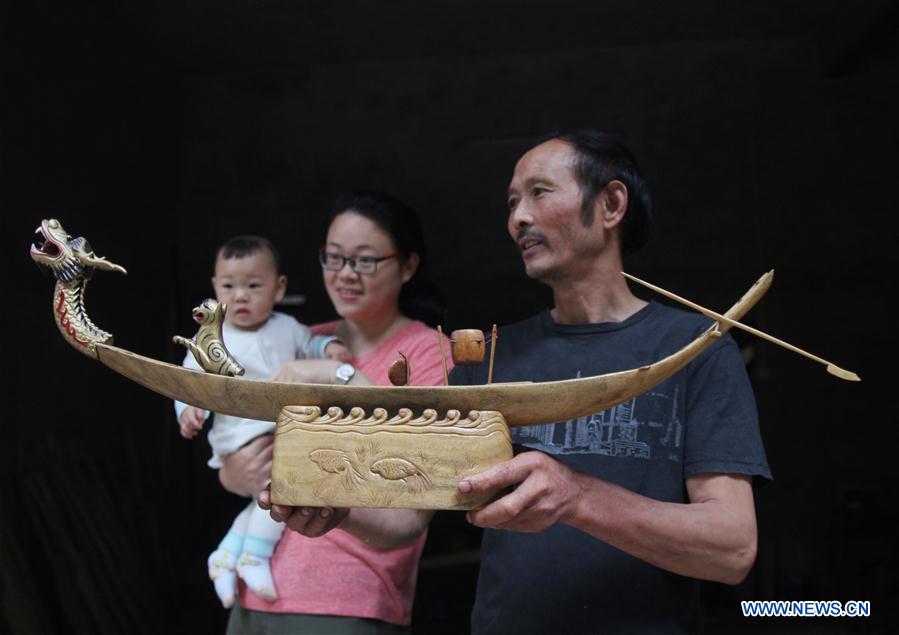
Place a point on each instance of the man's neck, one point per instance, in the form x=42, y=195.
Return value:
x=600, y=297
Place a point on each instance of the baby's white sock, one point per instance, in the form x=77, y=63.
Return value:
x=223, y=575
x=256, y=571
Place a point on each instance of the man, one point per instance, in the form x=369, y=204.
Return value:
x=610, y=524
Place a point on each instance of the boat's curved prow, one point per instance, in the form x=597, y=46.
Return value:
x=521, y=404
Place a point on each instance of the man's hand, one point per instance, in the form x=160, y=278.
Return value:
x=546, y=493
x=713, y=537
x=249, y=470
x=191, y=421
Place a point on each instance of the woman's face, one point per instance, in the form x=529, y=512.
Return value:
x=361, y=297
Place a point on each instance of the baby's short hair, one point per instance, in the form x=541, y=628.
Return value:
x=241, y=246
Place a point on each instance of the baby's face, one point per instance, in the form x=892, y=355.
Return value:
x=250, y=286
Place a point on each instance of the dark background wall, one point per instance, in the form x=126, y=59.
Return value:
x=767, y=132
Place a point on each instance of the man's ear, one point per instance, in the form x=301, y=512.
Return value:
x=282, y=288
x=410, y=267
x=612, y=204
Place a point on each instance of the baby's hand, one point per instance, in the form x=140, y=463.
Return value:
x=191, y=421
x=338, y=350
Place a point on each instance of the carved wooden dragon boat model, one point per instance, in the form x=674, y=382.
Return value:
x=399, y=446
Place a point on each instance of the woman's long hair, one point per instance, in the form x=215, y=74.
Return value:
x=420, y=299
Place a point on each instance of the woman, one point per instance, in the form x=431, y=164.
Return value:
x=361, y=576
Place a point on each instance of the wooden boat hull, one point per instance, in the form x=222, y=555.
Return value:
x=520, y=403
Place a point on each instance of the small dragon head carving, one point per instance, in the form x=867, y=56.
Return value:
x=69, y=258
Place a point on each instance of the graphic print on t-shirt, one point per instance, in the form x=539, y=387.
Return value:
x=642, y=428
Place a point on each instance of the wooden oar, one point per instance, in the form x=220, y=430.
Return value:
x=832, y=368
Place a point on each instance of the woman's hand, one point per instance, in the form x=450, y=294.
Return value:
x=308, y=521
x=249, y=470
x=381, y=528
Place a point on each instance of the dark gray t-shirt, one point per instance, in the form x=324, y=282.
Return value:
x=701, y=420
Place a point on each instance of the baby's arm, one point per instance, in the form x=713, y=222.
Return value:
x=325, y=347
x=190, y=418
x=191, y=421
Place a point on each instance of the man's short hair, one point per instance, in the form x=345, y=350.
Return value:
x=602, y=157
x=241, y=246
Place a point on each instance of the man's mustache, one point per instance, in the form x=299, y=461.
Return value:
x=530, y=233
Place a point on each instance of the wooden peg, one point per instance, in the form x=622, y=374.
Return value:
x=493, y=338
x=443, y=355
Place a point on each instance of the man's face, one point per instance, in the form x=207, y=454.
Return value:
x=545, y=215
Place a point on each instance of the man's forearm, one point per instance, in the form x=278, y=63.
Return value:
x=713, y=537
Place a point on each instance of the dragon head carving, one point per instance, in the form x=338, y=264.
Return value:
x=69, y=258
x=73, y=264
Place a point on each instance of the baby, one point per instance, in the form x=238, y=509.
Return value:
x=248, y=280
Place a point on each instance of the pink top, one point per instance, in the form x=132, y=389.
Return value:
x=338, y=574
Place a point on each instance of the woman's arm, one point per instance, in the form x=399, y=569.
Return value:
x=383, y=528
x=387, y=528
x=248, y=471
x=315, y=371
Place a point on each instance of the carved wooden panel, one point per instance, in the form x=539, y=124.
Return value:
x=382, y=460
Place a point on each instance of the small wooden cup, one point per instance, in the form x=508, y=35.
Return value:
x=468, y=346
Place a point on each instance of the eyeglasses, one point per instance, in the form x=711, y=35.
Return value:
x=360, y=264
